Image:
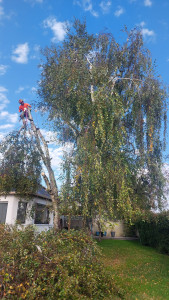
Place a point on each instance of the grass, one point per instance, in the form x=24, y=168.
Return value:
x=139, y=272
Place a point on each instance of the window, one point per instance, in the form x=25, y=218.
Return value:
x=21, y=213
x=41, y=214
x=3, y=210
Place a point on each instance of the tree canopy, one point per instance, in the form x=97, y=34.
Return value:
x=108, y=100
x=20, y=164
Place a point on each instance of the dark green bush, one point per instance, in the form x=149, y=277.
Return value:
x=51, y=266
x=154, y=231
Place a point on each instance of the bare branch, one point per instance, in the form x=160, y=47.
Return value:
x=46, y=181
x=91, y=87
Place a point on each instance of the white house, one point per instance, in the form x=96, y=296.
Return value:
x=35, y=211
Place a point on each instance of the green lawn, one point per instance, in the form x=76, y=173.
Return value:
x=139, y=272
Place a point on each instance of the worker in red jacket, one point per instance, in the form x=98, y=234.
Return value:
x=24, y=109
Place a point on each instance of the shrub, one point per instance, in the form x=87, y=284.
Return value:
x=154, y=231
x=50, y=266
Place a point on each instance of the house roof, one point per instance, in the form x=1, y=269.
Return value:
x=41, y=193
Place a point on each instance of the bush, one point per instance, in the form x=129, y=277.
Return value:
x=154, y=231
x=51, y=266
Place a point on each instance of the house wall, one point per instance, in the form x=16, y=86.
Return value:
x=11, y=215
x=11, y=209
x=77, y=223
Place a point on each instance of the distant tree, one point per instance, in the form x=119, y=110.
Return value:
x=107, y=99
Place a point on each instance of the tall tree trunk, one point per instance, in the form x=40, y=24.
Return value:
x=50, y=179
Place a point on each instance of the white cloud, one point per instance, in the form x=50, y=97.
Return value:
x=147, y=33
x=59, y=28
x=1, y=11
x=50, y=137
x=3, y=98
x=87, y=5
x=142, y=24
x=6, y=126
x=19, y=90
x=2, y=135
x=148, y=3
x=3, y=89
x=5, y=115
x=34, y=90
x=34, y=1
x=3, y=69
x=119, y=11
x=105, y=6
x=36, y=53
x=56, y=154
x=20, y=54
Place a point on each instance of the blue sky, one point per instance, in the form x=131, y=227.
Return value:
x=26, y=26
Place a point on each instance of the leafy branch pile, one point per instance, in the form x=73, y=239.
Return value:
x=50, y=266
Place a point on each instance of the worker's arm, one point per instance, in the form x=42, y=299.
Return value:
x=27, y=105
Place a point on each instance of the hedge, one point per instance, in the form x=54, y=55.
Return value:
x=154, y=231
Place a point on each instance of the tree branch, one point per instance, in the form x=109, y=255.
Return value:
x=91, y=87
x=74, y=129
x=46, y=181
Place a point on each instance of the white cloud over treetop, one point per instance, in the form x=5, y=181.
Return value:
x=105, y=6
x=59, y=28
x=119, y=11
x=147, y=33
x=87, y=5
x=20, y=53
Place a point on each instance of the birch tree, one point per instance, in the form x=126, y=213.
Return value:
x=108, y=100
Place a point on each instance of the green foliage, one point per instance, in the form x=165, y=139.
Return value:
x=154, y=231
x=20, y=165
x=50, y=266
x=107, y=99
